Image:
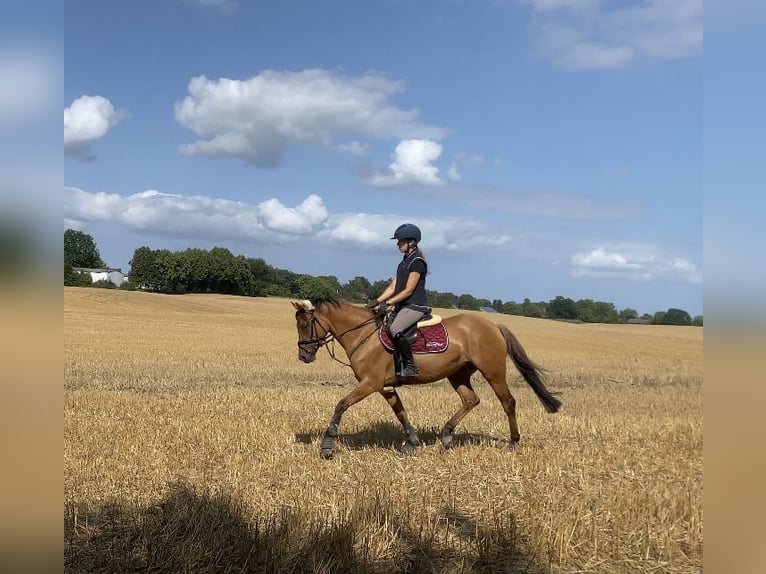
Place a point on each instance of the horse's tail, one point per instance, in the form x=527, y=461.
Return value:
x=531, y=372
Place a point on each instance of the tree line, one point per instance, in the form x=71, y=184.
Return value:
x=219, y=271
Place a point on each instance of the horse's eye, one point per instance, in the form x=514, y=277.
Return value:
x=303, y=324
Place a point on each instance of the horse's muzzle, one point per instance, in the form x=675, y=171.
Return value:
x=306, y=357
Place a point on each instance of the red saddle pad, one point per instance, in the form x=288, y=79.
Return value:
x=431, y=339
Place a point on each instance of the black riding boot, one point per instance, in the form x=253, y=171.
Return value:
x=409, y=369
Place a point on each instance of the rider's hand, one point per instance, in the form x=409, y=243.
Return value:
x=382, y=307
x=372, y=305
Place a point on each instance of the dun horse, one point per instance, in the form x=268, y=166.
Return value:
x=475, y=344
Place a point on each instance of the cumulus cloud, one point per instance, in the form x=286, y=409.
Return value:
x=373, y=231
x=412, y=164
x=592, y=35
x=88, y=119
x=258, y=119
x=633, y=262
x=199, y=217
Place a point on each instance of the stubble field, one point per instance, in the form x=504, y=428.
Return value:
x=191, y=439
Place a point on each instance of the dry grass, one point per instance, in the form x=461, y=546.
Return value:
x=191, y=436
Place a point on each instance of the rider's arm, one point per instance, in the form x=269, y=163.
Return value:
x=388, y=291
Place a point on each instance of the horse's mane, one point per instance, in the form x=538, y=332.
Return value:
x=320, y=302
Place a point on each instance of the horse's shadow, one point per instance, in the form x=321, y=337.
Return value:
x=389, y=435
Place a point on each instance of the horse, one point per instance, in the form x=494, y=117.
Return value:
x=475, y=344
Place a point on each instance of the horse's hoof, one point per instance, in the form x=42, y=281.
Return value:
x=408, y=449
x=325, y=453
x=512, y=445
x=447, y=440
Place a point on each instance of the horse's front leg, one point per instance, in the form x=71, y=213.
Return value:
x=412, y=441
x=363, y=390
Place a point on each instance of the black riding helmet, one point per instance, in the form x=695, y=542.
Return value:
x=407, y=231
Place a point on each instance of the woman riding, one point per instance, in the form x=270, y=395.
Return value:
x=407, y=294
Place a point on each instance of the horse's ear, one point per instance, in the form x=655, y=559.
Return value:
x=297, y=307
x=303, y=305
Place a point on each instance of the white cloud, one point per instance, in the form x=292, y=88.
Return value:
x=258, y=119
x=633, y=262
x=305, y=218
x=592, y=35
x=200, y=217
x=412, y=164
x=89, y=118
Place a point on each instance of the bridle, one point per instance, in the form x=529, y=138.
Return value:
x=315, y=342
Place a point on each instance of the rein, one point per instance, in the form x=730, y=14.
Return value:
x=318, y=342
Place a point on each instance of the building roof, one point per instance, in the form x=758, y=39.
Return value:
x=96, y=270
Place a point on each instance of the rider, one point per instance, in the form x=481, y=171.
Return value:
x=407, y=293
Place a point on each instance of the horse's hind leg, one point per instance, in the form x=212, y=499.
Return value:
x=393, y=399
x=461, y=382
x=496, y=379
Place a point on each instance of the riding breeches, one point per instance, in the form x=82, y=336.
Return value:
x=404, y=319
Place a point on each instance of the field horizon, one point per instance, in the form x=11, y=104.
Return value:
x=191, y=435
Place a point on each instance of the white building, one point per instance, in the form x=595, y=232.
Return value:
x=116, y=276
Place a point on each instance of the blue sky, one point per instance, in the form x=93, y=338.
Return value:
x=545, y=147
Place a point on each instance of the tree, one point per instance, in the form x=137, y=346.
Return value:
x=80, y=250
x=512, y=308
x=310, y=287
x=468, y=302
x=626, y=314
x=263, y=276
x=442, y=300
x=74, y=279
x=357, y=289
x=697, y=321
x=562, y=308
x=143, y=268
x=529, y=309
x=676, y=317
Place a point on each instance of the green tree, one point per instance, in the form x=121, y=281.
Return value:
x=74, y=279
x=697, y=321
x=143, y=268
x=378, y=287
x=284, y=284
x=263, y=276
x=675, y=316
x=357, y=289
x=512, y=308
x=310, y=287
x=80, y=250
x=468, y=302
x=563, y=308
x=442, y=300
x=626, y=314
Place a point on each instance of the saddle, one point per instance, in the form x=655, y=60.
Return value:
x=428, y=335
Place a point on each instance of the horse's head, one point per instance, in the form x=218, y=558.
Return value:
x=311, y=333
